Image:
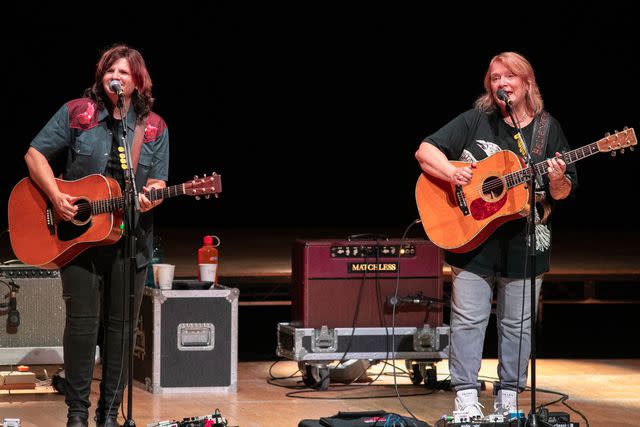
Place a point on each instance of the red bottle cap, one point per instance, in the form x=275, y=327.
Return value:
x=208, y=240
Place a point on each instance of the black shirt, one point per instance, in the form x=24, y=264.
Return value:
x=473, y=136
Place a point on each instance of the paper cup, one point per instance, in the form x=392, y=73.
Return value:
x=208, y=272
x=163, y=275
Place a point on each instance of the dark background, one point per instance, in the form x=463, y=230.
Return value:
x=312, y=112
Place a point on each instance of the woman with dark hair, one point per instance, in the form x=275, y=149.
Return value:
x=86, y=135
x=499, y=263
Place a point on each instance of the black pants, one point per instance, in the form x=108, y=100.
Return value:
x=94, y=290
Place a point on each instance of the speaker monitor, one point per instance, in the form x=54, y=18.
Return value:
x=37, y=339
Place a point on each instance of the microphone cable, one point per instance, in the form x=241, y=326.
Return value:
x=393, y=321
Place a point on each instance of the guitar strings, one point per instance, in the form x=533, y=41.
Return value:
x=88, y=206
x=568, y=157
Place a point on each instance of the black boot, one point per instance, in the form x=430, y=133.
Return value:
x=77, y=421
x=109, y=422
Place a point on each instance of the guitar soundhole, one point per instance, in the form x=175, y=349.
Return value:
x=492, y=188
x=69, y=230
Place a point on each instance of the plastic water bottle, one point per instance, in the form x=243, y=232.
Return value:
x=208, y=260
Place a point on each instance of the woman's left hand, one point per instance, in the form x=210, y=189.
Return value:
x=556, y=168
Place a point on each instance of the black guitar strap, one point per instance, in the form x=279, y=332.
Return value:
x=540, y=132
x=538, y=150
x=539, y=143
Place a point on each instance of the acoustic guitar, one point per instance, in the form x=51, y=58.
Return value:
x=40, y=238
x=460, y=218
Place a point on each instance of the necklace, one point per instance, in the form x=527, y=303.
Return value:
x=520, y=119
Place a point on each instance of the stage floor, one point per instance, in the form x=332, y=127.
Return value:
x=607, y=392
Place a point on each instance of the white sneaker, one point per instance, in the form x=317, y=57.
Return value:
x=506, y=402
x=467, y=405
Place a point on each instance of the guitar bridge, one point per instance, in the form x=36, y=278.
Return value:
x=48, y=213
x=461, y=200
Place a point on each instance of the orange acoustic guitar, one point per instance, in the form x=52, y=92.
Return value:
x=39, y=237
x=459, y=218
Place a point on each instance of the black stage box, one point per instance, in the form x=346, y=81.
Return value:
x=187, y=341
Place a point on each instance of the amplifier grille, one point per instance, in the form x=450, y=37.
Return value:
x=40, y=304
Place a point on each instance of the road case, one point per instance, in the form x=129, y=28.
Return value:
x=187, y=341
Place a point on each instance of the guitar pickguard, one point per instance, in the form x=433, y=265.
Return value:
x=68, y=231
x=79, y=224
x=481, y=209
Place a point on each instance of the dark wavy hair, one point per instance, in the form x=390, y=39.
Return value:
x=141, y=98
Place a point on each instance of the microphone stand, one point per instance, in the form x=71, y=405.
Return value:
x=131, y=206
x=532, y=420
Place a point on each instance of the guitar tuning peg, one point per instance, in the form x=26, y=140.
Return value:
x=207, y=196
x=195, y=176
x=204, y=176
x=631, y=148
x=625, y=128
x=615, y=131
x=622, y=151
x=613, y=154
x=197, y=197
x=607, y=134
x=216, y=195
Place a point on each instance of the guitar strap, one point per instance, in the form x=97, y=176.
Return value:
x=539, y=143
x=138, y=136
x=537, y=150
x=540, y=132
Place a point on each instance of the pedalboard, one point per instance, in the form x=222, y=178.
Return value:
x=515, y=423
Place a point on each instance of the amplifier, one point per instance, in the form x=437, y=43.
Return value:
x=345, y=283
x=38, y=337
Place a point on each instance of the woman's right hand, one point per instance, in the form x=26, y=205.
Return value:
x=64, y=205
x=462, y=176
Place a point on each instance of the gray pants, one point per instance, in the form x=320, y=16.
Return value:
x=470, y=310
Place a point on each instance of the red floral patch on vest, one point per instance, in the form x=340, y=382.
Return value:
x=83, y=114
x=85, y=118
x=150, y=132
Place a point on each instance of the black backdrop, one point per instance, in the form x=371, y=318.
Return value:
x=312, y=111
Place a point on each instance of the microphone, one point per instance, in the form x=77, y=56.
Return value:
x=503, y=96
x=115, y=86
x=13, y=316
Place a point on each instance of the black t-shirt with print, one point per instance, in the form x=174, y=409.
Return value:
x=473, y=136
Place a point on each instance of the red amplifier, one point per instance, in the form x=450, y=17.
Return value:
x=346, y=283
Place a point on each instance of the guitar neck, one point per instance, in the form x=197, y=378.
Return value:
x=117, y=203
x=522, y=176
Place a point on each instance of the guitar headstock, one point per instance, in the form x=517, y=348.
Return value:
x=204, y=186
x=618, y=141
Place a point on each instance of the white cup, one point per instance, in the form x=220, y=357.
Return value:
x=208, y=272
x=163, y=275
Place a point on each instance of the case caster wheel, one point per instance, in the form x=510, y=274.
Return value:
x=431, y=377
x=415, y=375
x=316, y=376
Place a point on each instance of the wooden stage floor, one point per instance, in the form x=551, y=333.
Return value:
x=607, y=392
